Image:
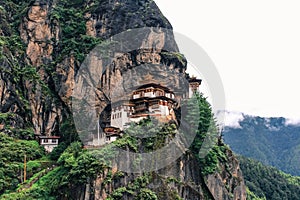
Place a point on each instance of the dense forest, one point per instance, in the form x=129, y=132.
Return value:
x=267, y=182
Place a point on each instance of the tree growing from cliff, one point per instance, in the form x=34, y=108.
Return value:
x=205, y=146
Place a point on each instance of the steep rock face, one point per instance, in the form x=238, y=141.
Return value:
x=229, y=183
x=181, y=179
x=36, y=32
x=12, y=105
x=26, y=76
x=43, y=40
x=40, y=33
x=38, y=66
x=111, y=17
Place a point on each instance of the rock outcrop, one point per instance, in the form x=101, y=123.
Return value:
x=179, y=180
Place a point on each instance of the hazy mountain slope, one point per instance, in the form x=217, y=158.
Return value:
x=273, y=141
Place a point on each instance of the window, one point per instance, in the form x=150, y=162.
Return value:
x=45, y=140
x=54, y=141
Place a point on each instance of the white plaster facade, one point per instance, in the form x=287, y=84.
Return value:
x=49, y=142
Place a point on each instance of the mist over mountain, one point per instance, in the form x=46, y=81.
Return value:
x=274, y=141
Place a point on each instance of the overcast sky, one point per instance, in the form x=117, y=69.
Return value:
x=255, y=46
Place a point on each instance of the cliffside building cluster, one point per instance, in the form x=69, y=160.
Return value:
x=149, y=100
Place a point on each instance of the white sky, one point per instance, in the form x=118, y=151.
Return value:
x=255, y=45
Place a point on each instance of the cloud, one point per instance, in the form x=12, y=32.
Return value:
x=293, y=122
x=232, y=119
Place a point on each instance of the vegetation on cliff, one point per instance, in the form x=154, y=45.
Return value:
x=12, y=154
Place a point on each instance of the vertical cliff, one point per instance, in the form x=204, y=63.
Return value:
x=43, y=44
x=183, y=179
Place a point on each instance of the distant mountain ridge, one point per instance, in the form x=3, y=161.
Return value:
x=274, y=141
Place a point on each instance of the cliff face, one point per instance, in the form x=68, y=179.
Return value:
x=44, y=43
x=180, y=180
x=46, y=47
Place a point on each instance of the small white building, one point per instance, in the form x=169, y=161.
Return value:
x=120, y=114
x=49, y=142
x=112, y=134
x=108, y=135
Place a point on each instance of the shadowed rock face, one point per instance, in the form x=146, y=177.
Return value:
x=38, y=76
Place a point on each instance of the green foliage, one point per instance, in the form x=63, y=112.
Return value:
x=87, y=167
x=57, y=151
x=268, y=182
x=14, y=43
x=68, y=131
x=37, y=193
x=172, y=180
x=12, y=157
x=74, y=41
x=25, y=134
x=252, y=196
x=209, y=164
x=174, y=56
x=200, y=112
x=140, y=182
x=13, y=150
x=5, y=117
x=294, y=180
x=137, y=189
x=127, y=142
x=76, y=168
x=68, y=135
x=33, y=165
x=67, y=159
x=117, y=194
x=51, y=182
x=146, y=194
x=201, y=121
x=16, y=9
x=42, y=189
x=157, y=135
